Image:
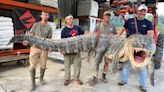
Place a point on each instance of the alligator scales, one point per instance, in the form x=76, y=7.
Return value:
x=137, y=48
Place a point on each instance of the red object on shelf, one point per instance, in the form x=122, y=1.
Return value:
x=15, y=52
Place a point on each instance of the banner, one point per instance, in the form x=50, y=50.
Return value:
x=23, y=20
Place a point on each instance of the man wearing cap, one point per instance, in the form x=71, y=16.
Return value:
x=145, y=28
x=69, y=31
x=105, y=27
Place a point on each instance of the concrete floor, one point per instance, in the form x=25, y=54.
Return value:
x=17, y=79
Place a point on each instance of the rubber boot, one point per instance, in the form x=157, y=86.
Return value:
x=93, y=81
x=42, y=81
x=32, y=74
x=104, y=78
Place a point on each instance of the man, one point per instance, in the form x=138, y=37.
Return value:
x=145, y=28
x=106, y=27
x=39, y=29
x=69, y=31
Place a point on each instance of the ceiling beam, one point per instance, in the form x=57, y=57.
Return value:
x=28, y=6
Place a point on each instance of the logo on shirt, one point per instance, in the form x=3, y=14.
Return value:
x=45, y=31
x=132, y=22
x=111, y=29
x=144, y=26
x=73, y=33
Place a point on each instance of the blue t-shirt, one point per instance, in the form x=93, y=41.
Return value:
x=70, y=32
x=143, y=26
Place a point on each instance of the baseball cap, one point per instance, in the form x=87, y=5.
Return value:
x=107, y=13
x=143, y=7
x=69, y=16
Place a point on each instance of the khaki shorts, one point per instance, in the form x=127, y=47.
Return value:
x=37, y=56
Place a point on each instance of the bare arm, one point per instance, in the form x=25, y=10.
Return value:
x=121, y=31
x=115, y=31
x=150, y=33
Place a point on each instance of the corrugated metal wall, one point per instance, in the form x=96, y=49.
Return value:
x=67, y=7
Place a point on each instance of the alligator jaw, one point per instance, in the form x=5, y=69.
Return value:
x=139, y=57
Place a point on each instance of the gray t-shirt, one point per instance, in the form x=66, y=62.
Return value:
x=40, y=30
x=106, y=29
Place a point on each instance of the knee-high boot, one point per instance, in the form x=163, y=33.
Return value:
x=32, y=74
x=42, y=81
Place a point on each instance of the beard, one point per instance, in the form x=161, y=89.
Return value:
x=70, y=23
x=141, y=17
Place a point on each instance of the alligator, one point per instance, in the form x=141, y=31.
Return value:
x=157, y=57
x=137, y=48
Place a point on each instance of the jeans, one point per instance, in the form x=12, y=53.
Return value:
x=142, y=74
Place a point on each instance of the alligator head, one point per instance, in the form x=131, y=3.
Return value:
x=140, y=50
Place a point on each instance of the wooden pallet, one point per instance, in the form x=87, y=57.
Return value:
x=13, y=58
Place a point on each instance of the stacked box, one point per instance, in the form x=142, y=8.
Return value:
x=51, y=3
x=6, y=32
